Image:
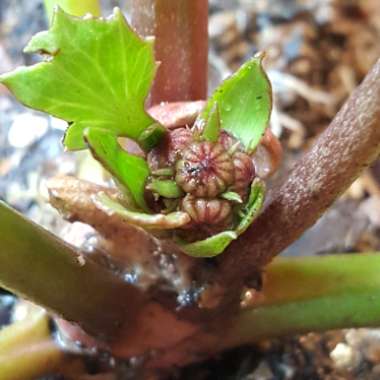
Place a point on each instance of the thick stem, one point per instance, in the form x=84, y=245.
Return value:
x=180, y=30
x=349, y=145
x=312, y=294
x=37, y=265
x=74, y=7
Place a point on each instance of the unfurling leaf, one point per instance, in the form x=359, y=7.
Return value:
x=98, y=74
x=164, y=172
x=244, y=103
x=232, y=196
x=210, y=247
x=212, y=128
x=148, y=221
x=253, y=207
x=165, y=188
x=151, y=136
x=130, y=171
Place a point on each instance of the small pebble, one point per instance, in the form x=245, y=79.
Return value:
x=344, y=356
x=26, y=129
x=263, y=372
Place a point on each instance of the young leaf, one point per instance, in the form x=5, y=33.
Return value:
x=211, y=130
x=131, y=171
x=215, y=245
x=163, y=172
x=98, y=74
x=152, y=136
x=165, y=188
x=244, y=102
x=156, y=221
x=254, y=204
x=232, y=196
x=210, y=247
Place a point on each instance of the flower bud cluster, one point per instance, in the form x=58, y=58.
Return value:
x=205, y=171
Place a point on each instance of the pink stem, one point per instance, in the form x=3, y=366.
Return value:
x=180, y=29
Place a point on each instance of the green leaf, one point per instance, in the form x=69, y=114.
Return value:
x=254, y=204
x=130, y=171
x=148, y=221
x=152, y=136
x=244, y=101
x=215, y=245
x=212, y=128
x=165, y=188
x=232, y=196
x=98, y=74
x=164, y=172
x=210, y=247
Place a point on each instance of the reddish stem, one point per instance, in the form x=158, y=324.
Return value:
x=350, y=144
x=180, y=29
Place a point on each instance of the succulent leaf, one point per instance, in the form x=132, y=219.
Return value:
x=98, y=74
x=244, y=102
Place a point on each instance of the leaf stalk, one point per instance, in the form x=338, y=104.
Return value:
x=181, y=45
x=37, y=265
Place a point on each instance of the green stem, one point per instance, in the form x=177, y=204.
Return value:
x=38, y=266
x=312, y=294
x=180, y=31
x=74, y=7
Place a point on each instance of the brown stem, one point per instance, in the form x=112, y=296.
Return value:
x=180, y=30
x=348, y=145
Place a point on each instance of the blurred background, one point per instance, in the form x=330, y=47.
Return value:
x=317, y=52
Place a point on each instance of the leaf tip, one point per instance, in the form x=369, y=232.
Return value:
x=260, y=55
x=117, y=12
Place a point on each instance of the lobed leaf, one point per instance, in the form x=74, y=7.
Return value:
x=98, y=74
